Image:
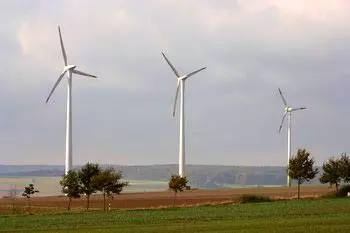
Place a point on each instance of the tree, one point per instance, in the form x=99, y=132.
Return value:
x=331, y=173
x=177, y=184
x=28, y=192
x=345, y=167
x=301, y=168
x=71, y=186
x=109, y=183
x=12, y=192
x=86, y=177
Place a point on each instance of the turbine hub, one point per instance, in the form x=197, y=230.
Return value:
x=288, y=109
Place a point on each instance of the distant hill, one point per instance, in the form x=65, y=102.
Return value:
x=8, y=169
x=208, y=176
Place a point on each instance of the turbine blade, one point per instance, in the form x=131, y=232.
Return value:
x=283, y=99
x=195, y=72
x=62, y=47
x=57, y=82
x=284, y=116
x=296, y=109
x=172, y=67
x=176, y=95
x=82, y=73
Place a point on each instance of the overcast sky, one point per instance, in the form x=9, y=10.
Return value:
x=233, y=109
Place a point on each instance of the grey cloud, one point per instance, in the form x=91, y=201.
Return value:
x=233, y=108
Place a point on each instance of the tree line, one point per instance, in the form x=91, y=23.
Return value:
x=90, y=179
x=335, y=170
x=301, y=168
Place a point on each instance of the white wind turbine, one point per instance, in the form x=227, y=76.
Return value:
x=181, y=85
x=288, y=112
x=69, y=70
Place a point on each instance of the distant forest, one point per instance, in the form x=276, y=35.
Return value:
x=205, y=176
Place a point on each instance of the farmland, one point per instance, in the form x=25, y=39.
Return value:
x=322, y=215
x=57, y=204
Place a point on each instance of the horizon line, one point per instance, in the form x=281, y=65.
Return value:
x=145, y=165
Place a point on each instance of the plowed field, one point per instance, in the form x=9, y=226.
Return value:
x=156, y=199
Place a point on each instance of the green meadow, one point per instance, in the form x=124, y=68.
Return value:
x=322, y=215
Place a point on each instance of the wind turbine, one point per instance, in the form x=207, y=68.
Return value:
x=181, y=86
x=288, y=112
x=69, y=70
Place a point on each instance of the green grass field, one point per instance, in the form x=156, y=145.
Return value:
x=323, y=215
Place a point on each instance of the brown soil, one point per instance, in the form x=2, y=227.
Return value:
x=152, y=199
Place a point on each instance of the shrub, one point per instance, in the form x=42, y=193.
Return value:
x=343, y=191
x=251, y=198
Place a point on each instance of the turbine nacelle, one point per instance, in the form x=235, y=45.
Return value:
x=183, y=78
x=70, y=67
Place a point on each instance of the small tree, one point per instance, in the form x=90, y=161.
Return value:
x=301, y=168
x=71, y=186
x=86, y=176
x=109, y=183
x=177, y=184
x=12, y=192
x=28, y=192
x=345, y=167
x=331, y=173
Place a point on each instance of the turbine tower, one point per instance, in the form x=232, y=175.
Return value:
x=288, y=112
x=181, y=86
x=69, y=70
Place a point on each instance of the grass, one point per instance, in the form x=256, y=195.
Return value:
x=322, y=215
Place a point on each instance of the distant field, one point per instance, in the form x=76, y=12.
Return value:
x=323, y=215
x=49, y=186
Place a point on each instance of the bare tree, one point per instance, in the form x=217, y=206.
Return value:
x=13, y=194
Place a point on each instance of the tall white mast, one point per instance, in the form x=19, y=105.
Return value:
x=289, y=145
x=182, y=130
x=181, y=86
x=69, y=145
